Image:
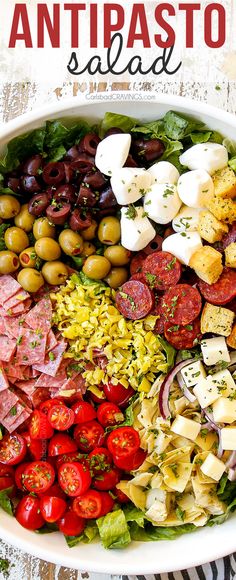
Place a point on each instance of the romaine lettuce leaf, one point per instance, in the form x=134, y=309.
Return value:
x=169, y=350
x=152, y=533
x=5, y=502
x=22, y=147
x=177, y=126
x=88, y=535
x=133, y=514
x=115, y=120
x=113, y=530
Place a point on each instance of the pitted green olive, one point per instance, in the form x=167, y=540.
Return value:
x=16, y=239
x=43, y=229
x=47, y=249
x=24, y=219
x=9, y=207
x=71, y=242
x=31, y=280
x=117, y=255
x=96, y=267
x=55, y=273
x=117, y=277
x=9, y=262
x=28, y=258
x=90, y=232
x=109, y=230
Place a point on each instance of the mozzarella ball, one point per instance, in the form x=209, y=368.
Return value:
x=187, y=219
x=164, y=172
x=129, y=184
x=112, y=152
x=208, y=156
x=182, y=246
x=194, y=186
x=162, y=202
x=136, y=229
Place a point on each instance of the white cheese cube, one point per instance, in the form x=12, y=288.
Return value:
x=185, y=427
x=224, y=410
x=213, y=467
x=182, y=245
x=136, y=231
x=206, y=392
x=193, y=186
x=214, y=350
x=129, y=184
x=187, y=219
x=162, y=202
x=208, y=156
x=112, y=152
x=164, y=172
x=225, y=383
x=193, y=373
x=228, y=438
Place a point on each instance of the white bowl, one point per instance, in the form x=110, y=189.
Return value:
x=206, y=544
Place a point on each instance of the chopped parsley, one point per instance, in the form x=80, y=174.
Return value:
x=51, y=356
x=131, y=212
x=151, y=279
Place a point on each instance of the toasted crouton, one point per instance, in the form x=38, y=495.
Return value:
x=231, y=340
x=230, y=255
x=217, y=319
x=225, y=183
x=210, y=228
x=223, y=209
x=207, y=263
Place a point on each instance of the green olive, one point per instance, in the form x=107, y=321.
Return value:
x=16, y=239
x=28, y=258
x=47, y=249
x=9, y=207
x=88, y=249
x=117, y=277
x=24, y=219
x=9, y=262
x=109, y=230
x=117, y=255
x=71, y=243
x=55, y=272
x=43, y=229
x=96, y=267
x=31, y=280
x=90, y=232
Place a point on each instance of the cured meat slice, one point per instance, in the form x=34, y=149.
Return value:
x=159, y=312
x=11, y=423
x=39, y=396
x=230, y=237
x=7, y=348
x=223, y=291
x=4, y=384
x=136, y=264
x=22, y=308
x=8, y=287
x=53, y=360
x=2, y=327
x=161, y=270
x=16, y=300
x=182, y=304
x=13, y=326
x=28, y=387
x=17, y=372
x=135, y=300
x=40, y=317
x=7, y=401
x=51, y=340
x=182, y=337
x=31, y=347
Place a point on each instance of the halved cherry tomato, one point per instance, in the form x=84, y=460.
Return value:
x=52, y=508
x=118, y=394
x=74, y=478
x=6, y=470
x=70, y=524
x=38, y=476
x=36, y=447
x=71, y=457
x=121, y=496
x=95, y=398
x=107, y=503
x=18, y=475
x=88, y=505
x=12, y=449
x=45, y=406
x=100, y=459
x=107, y=480
x=61, y=417
x=39, y=427
x=109, y=414
x=7, y=482
x=83, y=412
x=28, y=513
x=132, y=462
x=89, y=435
x=123, y=441
x=54, y=491
x=61, y=443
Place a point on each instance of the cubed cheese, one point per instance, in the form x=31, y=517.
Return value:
x=224, y=382
x=210, y=228
x=193, y=373
x=224, y=410
x=129, y=184
x=136, y=229
x=185, y=427
x=230, y=255
x=228, y=438
x=206, y=392
x=193, y=186
x=187, y=219
x=182, y=245
x=164, y=172
x=207, y=263
x=162, y=202
x=213, y=467
x=214, y=350
x=208, y=156
x=112, y=152
x=217, y=319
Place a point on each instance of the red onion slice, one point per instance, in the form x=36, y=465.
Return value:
x=215, y=428
x=186, y=392
x=165, y=387
x=232, y=474
x=231, y=462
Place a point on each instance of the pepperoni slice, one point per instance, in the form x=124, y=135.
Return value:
x=138, y=276
x=159, y=312
x=182, y=304
x=230, y=237
x=134, y=300
x=136, y=263
x=161, y=270
x=183, y=336
x=223, y=291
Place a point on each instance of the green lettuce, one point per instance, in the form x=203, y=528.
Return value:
x=22, y=147
x=113, y=530
x=152, y=533
x=88, y=535
x=5, y=502
x=169, y=351
x=177, y=126
x=115, y=120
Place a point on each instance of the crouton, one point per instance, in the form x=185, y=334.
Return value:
x=231, y=340
x=225, y=183
x=230, y=255
x=210, y=228
x=216, y=319
x=207, y=263
x=223, y=209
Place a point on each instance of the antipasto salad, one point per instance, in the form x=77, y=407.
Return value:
x=117, y=329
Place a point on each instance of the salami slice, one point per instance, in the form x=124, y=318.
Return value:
x=15, y=300
x=139, y=276
x=135, y=300
x=159, y=312
x=8, y=287
x=136, y=263
x=40, y=317
x=28, y=387
x=182, y=304
x=51, y=341
x=4, y=384
x=6, y=403
x=180, y=336
x=7, y=348
x=19, y=420
x=53, y=360
x=230, y=237
x=223, y=291
x=17, y=372
x=39, y=396
x=31, y=347
x=12, y=416
x=2, y=326
x=161, y=270
x=13, y=327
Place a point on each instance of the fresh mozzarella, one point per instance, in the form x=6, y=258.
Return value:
x=129, y=184
x=182, y=245
x=136, y=231
x=193, y=187
x=213, y=467
x=185, y=427
x=214, y=350
x=228, y=438
x=208, y=156
x=162, y=202
x=225, y=383
x=224, y=410
x=164, y=172
x=193, y=373
x=112, y=152
x=206, y=392
x=186, y=220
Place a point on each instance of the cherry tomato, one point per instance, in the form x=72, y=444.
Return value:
x=6, y=470
x=70, y=524
x=123, y=441
x=89, y=435
x=100, y=459
x=18, y=475
x=107, y=480
x=6, y=481
x=83, y=412
x=38, y=476
x=28, y=513
x=12, y=449
x=36, y=447
x=97, y=399
x=109, y=414
x=46, y=405
x=52, y=508
x=121, y=496
x=61, y=443
x=61, y=417
x=132, y=462
x=118, y=394
x=39, y=427
x=74, y=478
x=88, y=505
x=54, y=491
x=71, y=457
x=107, y=503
